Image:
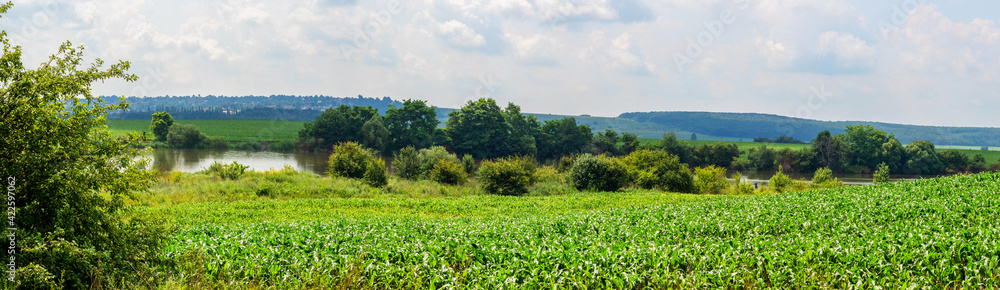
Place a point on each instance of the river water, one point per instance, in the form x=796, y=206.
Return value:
x=193, y=160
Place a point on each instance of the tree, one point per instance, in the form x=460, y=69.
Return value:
x=866, y=144
x=479, y=128
x=160, y=125
x=337, y=125
x=374, y=134
x=881, y=174
x=831, y=151
x=524, y=131
x=694, y=137
x=186, y=136
x=606, y=143
x=676, y=147
x=954, y=161
x=658, y=169
x=893, y=154
x=412, y=124
x=762, y=158
x=71, y=178
x=922, y=158
x=562, y=137
x=629, y=144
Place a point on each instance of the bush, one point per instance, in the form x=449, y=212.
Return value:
x=710, y=180
x=598, y=173
x=350, y=160
x=407, y=163
x=429, y=158
x=282, y=146
x=231, y=171
x=565, y=164
x=881, y=175
x=248, y=146
x=780, y=182
x=375, y=174
x=469, y=164
x=186, y=136
x=658, y=169
x=217, y=143
x=448, y=172
x=507, y=176
x=742, y=187
x=823, y=178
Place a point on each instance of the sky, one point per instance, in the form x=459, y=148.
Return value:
x=899, y=61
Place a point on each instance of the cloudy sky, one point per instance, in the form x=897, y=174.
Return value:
x=902, y=61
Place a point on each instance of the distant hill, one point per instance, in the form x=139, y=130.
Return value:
x=751, y=125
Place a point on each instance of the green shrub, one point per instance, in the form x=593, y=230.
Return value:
x=710, y=180
x=429, y=157
x=598, y=173
x=407, y=163
x=780, y=182
x=281, y=146
x=376, y=174
x=186, y=136
x=881, y=175
x=448, y=172
x=742, y=187
x=350, y=160
x=507, y=176
x=248, y=146
x=658, y=169
x=565, y=163
x=231, y=171
x=469, y=164
x=217, y=143
x=823, y=178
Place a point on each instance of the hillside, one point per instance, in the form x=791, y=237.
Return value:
x=750, y=125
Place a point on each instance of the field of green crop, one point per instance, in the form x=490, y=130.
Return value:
x=231, y=130
x=933, y=233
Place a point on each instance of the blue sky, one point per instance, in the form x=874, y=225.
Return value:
x=904, y=61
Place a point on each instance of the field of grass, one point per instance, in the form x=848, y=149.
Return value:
x=932, y=233
x=230, y=130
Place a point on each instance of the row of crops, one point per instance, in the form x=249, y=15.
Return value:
x=936, y=233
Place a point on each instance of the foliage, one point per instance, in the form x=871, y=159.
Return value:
x=186, y=136
x=337, y=125
x=658, y=169
x=525, y=130
x=213, y=143
x=374, y=134
x=881, y=175
x=565, y=164
x=784, y=139
x=598, y=173
x=376, y=174
x=281, y=146
x=710, y=180
x=823, y=178
x=508, y=175
x=413, y=124
x=448, y=172
x=954, y=161
x=248, y=146
x=469, y=164
x=71, y=180
x=718, y=155
x=780, y=182
x=831, y=151
x=562, y=137
x=407, y=163
x=160, y=125
x=865, y=145
x=227, y=171
x=479, y=128
x=742, y=187
x=350, y=160
x=429, y=157
x=676, y=147
x=762, y=158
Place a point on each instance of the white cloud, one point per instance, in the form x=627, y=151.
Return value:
x=457, y=33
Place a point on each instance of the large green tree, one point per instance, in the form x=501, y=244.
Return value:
x=563, y=137
x=866, y=145
x=412, y=124
x=831, y=151
x=337, y=125
x=525, y=130
x=375, y=135
x=160, y=125
x=479, y=128
x=922, y=158
x=71, y=178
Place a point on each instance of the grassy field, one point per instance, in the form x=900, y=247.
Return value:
x=231, y=130
x=933, y=233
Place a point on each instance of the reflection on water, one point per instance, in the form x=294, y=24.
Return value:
x=193, y=160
